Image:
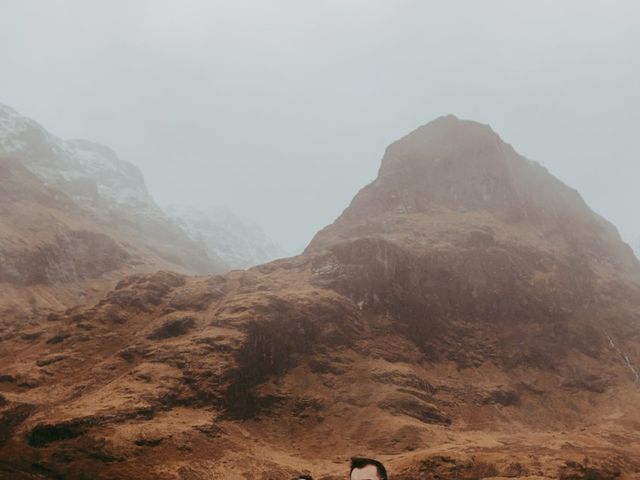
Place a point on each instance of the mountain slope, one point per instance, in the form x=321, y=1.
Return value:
x=468, y=316
x=35, y=219
x=110, y=190
x=53, y=253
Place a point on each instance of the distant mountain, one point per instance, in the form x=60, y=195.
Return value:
x=73, y=214
x=89, y=173
x=48, y=242
x=223, y=235
x=467, y=316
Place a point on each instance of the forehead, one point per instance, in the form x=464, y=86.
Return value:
x=369, y=472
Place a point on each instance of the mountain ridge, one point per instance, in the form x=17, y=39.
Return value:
x=438, y=329
x=96, y=179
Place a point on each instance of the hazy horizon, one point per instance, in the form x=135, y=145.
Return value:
x=282, y=111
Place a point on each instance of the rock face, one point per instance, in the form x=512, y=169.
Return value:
x=109, y=190
x=468, y=316
x=224, y=235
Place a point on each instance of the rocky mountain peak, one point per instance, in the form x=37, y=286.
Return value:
x=19, y=134
x=451, y=177
x=445, y=137
x=453, y=164
x=89, y=172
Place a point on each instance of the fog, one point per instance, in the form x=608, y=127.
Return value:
x=281, y=110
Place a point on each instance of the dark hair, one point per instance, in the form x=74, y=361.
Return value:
x=357, y=462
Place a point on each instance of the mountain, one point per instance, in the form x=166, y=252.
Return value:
x=223, y=235
x=73, y=214
x=467, y=316
x=51, y=253
x=462, y=172
x=112, y=190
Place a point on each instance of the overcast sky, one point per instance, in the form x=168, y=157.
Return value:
x=281, y=109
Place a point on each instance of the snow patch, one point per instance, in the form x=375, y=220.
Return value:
x=223, y=234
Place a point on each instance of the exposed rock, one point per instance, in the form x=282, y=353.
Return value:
x=581, y=471
x=505, y=398
x=173, y=327
x=11, y=418
x=42, y=362
x=42, y=435
x=415, y=408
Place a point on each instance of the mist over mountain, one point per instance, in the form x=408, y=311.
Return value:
x=76, y=219
x=114, y=192
x=268, y=106
x=254, y=240
x=224, y=235
x=460, y=168
x=110, y=190
x=467, y=316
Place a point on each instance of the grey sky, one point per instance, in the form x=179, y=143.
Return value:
x=281, y=109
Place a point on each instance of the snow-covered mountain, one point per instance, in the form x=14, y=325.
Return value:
x=223, y=234
x=110, y=189
x=88, y=172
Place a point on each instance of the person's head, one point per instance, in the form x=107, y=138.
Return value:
x=304, y=477
x=367, y=469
